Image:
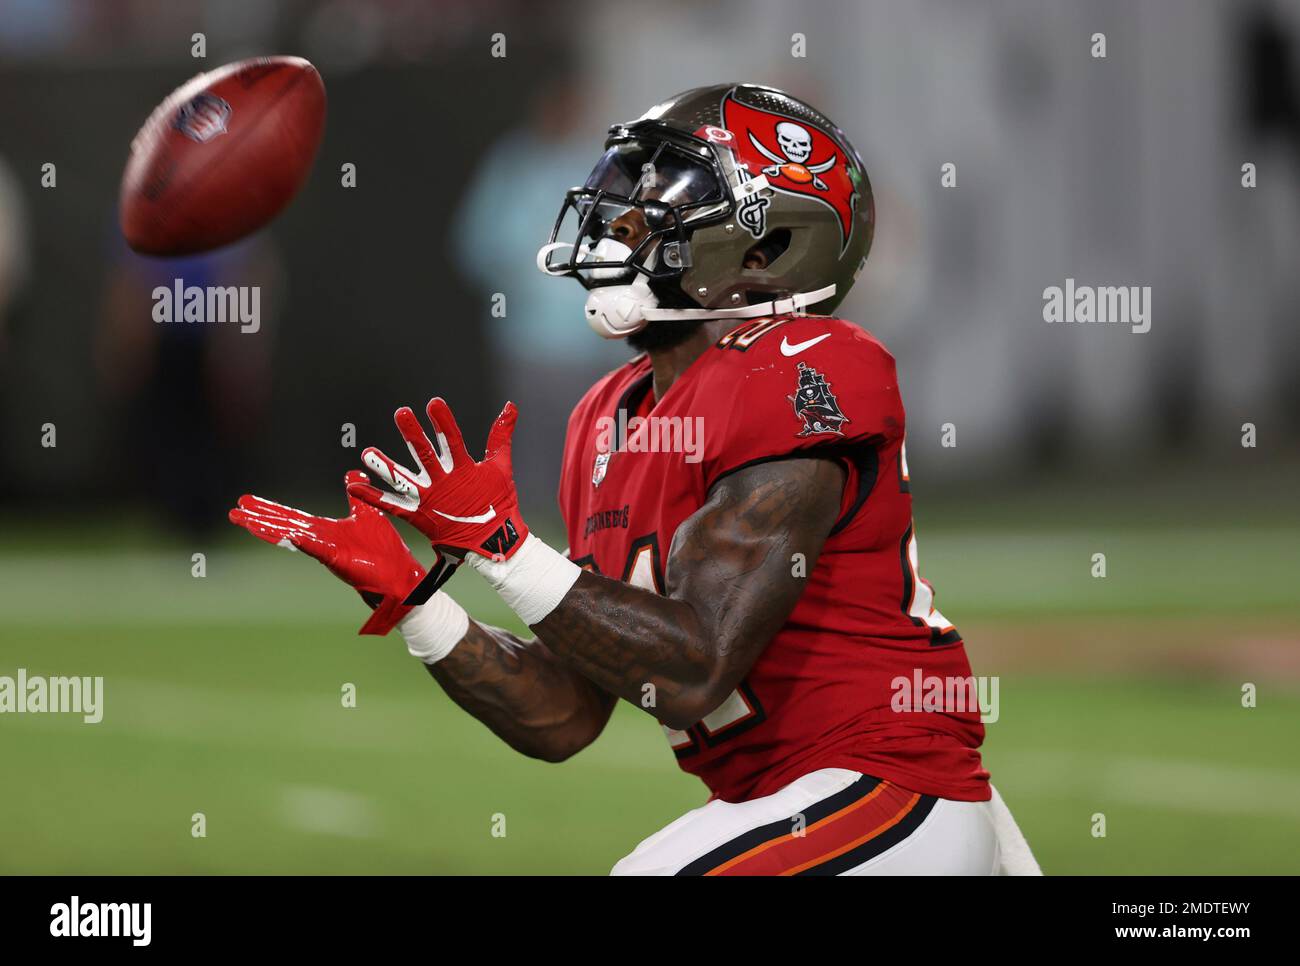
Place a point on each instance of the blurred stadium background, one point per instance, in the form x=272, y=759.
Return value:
x=1119, y=696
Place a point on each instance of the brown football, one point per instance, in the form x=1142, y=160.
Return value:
x=222, y=155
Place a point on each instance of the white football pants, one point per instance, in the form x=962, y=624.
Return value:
x=837, y=822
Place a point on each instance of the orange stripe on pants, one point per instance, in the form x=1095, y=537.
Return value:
x=884, y=807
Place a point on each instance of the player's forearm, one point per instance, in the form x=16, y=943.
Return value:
x=650, y=650
x=522, y=693
x=730, y=589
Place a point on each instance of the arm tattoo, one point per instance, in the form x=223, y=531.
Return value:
x=523, y=693
x=730, y=588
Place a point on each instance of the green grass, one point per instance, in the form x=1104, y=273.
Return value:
x=290, y=781
x=223, y=697
x=1187, y=779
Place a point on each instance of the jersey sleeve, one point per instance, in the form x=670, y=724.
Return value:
x=807, y=384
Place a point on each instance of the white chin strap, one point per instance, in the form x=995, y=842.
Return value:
x=796, y=304
x=617, y=311
x=613, y=311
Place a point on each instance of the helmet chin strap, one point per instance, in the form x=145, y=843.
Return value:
x=617, y=311
x=796, y=304
x=613, y=311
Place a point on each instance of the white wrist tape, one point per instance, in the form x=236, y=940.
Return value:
x=533, y=581
x=433, y=628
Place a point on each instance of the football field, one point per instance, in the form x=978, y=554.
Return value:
x=1118, y=697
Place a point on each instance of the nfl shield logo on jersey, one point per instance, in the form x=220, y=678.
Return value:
x=598, y=471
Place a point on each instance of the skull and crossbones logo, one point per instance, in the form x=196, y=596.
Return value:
x=796, y=145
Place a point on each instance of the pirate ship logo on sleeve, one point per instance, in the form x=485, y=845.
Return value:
x=816, y=405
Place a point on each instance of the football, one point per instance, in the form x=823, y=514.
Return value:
x=222, y=155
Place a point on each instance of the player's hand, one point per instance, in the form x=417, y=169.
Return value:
x=362, y=549
x=462, y=506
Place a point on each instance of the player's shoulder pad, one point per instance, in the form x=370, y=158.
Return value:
x=785, y=342
x=791, y=384
x=771, y=358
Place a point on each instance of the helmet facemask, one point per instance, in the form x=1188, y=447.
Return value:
x=630, y=227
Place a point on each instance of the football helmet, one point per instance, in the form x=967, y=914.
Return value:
x=662, y=228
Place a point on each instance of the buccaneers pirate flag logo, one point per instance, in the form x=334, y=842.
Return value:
x=796, y=158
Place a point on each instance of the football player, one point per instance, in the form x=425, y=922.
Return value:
x=742, y=564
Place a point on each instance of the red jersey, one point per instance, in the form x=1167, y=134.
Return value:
x=823, y=692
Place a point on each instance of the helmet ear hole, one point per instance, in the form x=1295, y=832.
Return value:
x=767, y=250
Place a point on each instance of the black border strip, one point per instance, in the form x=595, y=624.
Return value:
x=861, y=788
x=881, y=843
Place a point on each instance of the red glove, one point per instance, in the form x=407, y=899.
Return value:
x=362, y=549
x=460, y=505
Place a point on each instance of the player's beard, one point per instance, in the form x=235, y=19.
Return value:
x=663, y=335
x=666, y=334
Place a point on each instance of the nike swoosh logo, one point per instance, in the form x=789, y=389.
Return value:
x=793, y=350
x=481, y=518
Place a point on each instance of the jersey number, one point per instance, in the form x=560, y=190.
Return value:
x=740, y=712
x=918, y=594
